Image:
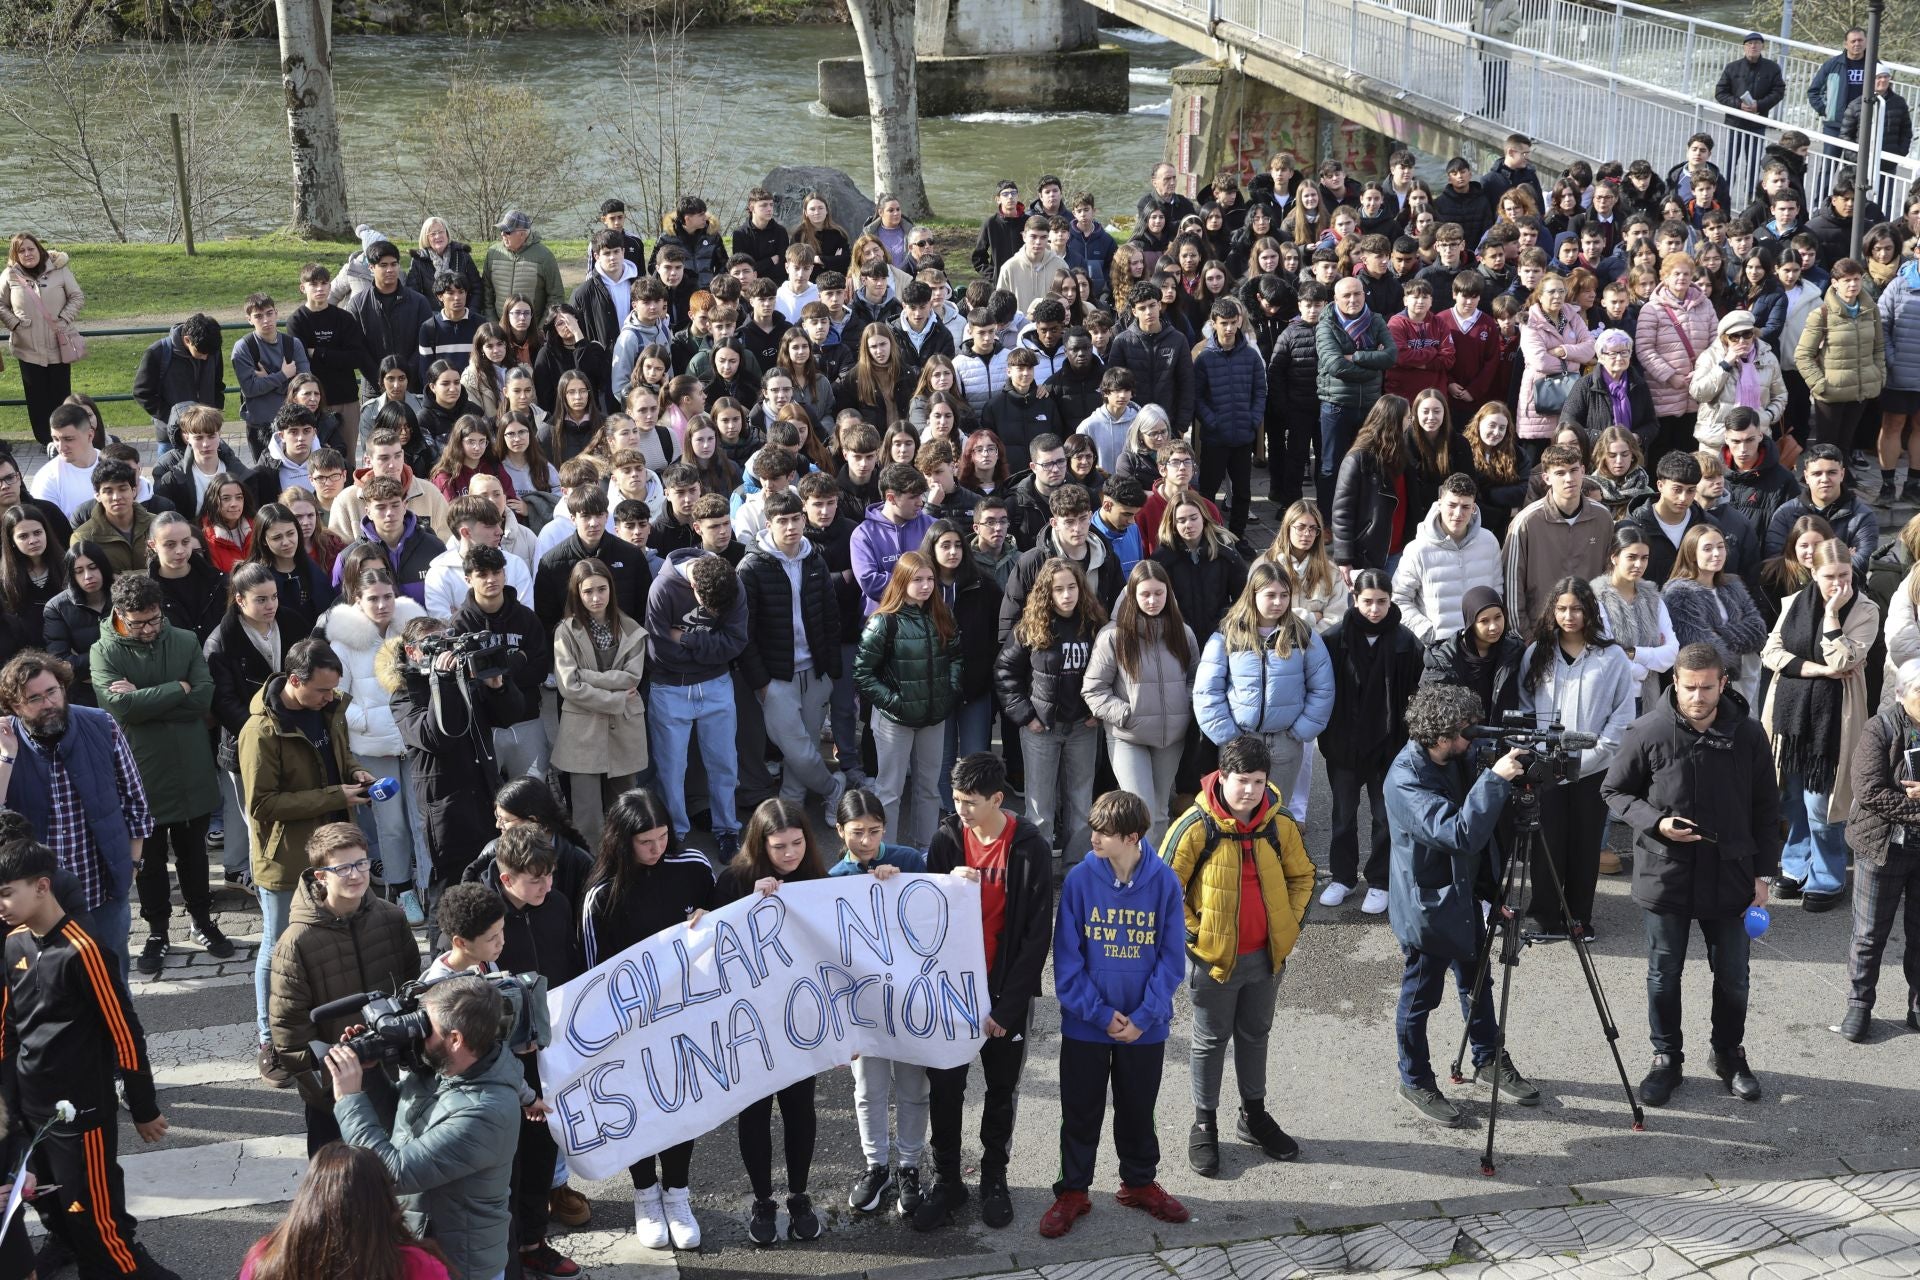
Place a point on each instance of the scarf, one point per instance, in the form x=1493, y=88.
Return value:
x=1881, y=272
x=1617, y=392
x=1368, y=656
x=1359, y=328
x=1747, y=388
x=1807, y=710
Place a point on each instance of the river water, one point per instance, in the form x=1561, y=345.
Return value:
x=386, y=84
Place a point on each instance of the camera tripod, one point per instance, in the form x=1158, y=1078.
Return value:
x=1511, y=940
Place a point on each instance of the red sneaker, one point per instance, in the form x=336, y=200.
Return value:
x=1154, y=1199
x=545, y=1261
x=1058, y=1220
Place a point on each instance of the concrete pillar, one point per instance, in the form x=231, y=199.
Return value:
x=949, y=28
x=1222, y=119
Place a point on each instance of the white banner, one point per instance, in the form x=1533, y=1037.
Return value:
x=668, y=1039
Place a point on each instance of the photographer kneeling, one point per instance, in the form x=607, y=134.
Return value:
x=1441, y=827
x=452, y=1149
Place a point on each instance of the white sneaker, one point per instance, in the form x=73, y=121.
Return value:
x=680, y=1219
x=1335, y=893
x=650, y=1217
x=1375, y=903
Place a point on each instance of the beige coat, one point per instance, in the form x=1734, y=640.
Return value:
x=602, y=729
x=1849, y=651
x=34, y=324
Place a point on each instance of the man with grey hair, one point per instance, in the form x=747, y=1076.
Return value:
x=453, y=1143
x=1884, y=833
x=1694, y=778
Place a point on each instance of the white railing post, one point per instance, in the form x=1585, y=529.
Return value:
x=1619, y=24
x=1406, y=44
x=1353, y=34
x=1553, y=24
x=1686, y=85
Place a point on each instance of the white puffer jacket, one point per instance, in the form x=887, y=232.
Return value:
x=371, y=730
x=1436, y=573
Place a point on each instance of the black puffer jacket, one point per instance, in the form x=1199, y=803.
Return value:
x=70, y=628
x=196, y=602
x=976, y=612
x=420, y=270
x=1350, y=748
x=1757, y=494
x=904, y=668
x=768, y=589
x=1044, y=684
x=1203, y=588
x=1723, y=779
x=238, y=671
x=1496, y=678
x=1101, y=569
x=1293, y=372
x=535, y=643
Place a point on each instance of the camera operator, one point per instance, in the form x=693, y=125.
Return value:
x=1441, y=828
x=446, y=720
x=1694, y=778
x=452, y=1149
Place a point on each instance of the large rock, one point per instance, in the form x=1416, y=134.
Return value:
x=790, y=183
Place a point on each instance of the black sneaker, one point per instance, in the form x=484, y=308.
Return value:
x=1203, y=1148
x=937, y=1206
x=1661, y=1080
x=146, y=1267
x=153, y=956
x=802, y=1222
x=1433, y=1104
x=1515, y=1086
x=1857, y=1026
x=907, y=1183
x=871, y=1189
x=996, y=1203
x=1913, y=1020
x=1910, y=492
x=1262, y=1130
x=1732, y=1069
x=763, y=1228
x=206, y=934
x=1787, y=889
x=726, y=844
x=1815, y=902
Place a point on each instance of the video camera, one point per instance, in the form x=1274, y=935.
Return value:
x=394, y=1028
x=1552, y=749
x=480, y=655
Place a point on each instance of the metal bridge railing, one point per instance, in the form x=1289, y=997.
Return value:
x=136, y=331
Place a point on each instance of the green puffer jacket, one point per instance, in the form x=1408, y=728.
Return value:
x=906, y=670
x=450, y=1156
x=1843, y=358
x=165, y=724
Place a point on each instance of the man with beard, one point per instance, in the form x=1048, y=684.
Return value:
x=71, y=773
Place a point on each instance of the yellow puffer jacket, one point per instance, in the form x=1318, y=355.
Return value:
x=1213, y=906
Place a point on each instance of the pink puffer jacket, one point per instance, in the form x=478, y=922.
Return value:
x=1538, y=337
x=1672, y=334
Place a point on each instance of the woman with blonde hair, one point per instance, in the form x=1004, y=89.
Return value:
x=1266, y=671
x=438, y=251
x=878, y=387
x=1815, y=710
x=1554, y=343
x=1709, y=605
x=1320, y=593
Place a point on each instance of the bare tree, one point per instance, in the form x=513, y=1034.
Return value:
x=313, y=125
x=885, y=29
x=658, y=124
x=494, y=144
x=1825, y=22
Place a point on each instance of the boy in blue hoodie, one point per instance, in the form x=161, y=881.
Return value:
x=1118, y=956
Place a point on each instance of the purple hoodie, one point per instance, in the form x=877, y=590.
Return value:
x=878, y=543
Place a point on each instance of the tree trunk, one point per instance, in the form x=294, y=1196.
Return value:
x=885, y=29
x=313, y=127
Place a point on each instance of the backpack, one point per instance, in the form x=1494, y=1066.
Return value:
x=1270, y=830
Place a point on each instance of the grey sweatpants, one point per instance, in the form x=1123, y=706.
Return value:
x=1238, y=1011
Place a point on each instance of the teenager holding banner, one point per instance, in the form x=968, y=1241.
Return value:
x=862, y=822
x=1013, y=866
x=776, y=848
x=643, y=883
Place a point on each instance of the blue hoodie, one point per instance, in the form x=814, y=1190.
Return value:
x=878, y=543
x=1118, y=947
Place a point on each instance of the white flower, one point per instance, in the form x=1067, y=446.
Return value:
x=64, y=1111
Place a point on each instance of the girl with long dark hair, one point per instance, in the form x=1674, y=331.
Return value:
x=226, y=522
x=31, y=574
x=1139, y=681
x=776, y=848
x=973, y=597
x=599, y=659
x=71, y=620
x=1633, y=615
x=305, y=592
x=642, y=884
x=1577, y=678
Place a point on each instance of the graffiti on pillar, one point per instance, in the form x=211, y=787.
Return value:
x=1360, y=150
x=1262, y=132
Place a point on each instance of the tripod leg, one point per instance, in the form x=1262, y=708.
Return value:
x=1499, y=1054
x=1503, y=912
x=1591, y=973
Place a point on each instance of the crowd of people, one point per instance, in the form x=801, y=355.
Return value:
x=972, y=567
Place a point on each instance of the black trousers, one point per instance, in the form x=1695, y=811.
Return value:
x=322, y=1128
x=46, y=385
x=89, y=1211
x=1001, y=1059
x=1676, y=434
x=532, y=1180
x=1235, y=464
x=1573, y=820
x=797, y=1124
x=1799, y=405
x=1343, y=844
x=1087, y=1070
x=1292, y=433
x=187, y=842
x=1835, y=422
x=675, y=1165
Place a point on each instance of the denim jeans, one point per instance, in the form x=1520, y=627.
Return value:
x=1148, y=773
x=274, y=906
x=111, y=925
x=1816, y=850
x=1060, y=783
x=674, y=713
x=1421, y=984
x=1339, y=424
x=969, y=729
x=908, y=755
x=396, y=827
x=795, y=711
x=1727, y=950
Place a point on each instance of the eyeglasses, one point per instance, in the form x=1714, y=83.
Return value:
x=996, y=524
x=346, y=870
x=154, y=623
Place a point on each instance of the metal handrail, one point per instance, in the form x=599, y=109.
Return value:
x=118, y=397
